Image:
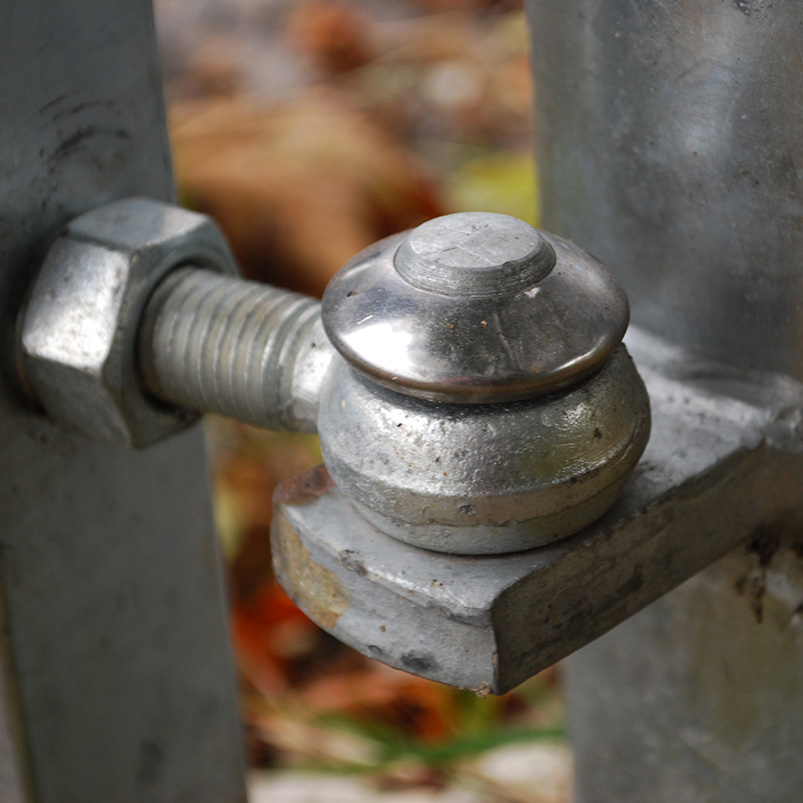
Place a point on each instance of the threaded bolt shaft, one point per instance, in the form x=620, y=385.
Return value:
x=215, y=343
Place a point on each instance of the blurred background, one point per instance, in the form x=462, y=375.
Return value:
x=309, y=129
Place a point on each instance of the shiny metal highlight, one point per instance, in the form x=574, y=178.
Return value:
x=546, y=328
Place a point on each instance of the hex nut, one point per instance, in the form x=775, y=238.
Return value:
x=78, y=333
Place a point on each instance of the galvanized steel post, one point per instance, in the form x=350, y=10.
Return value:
x=670, y=143
x=116, y=681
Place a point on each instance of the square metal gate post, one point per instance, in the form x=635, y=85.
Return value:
x=671, y=146
x=117, y=681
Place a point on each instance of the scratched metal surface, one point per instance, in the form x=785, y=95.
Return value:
x=670, y=145
x=117, y=660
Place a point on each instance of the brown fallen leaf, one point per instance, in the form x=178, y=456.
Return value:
x=298, y=187
x=335, y=35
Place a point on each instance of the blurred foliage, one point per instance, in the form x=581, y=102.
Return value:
x=496, y=182
x=300, y=186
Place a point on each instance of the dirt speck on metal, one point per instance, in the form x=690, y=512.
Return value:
x=305, y=488
x=765, y=544
x=483, y=690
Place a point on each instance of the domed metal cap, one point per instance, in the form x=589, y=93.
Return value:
x=475, y=307
x=476, y=254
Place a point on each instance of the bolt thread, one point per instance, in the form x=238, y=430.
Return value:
x=216, y=343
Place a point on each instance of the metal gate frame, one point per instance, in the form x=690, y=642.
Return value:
x=117, y=680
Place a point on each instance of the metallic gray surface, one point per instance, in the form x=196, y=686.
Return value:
x=16, y=784
x=109, y=571
x=246, y=350
x=113, y=348
x=697, y=698
x=79, y=329
x=462, y=479
x=118, y=628
x=670, y=144
x=722, y=461
x=484, y=479
x=475, y=254
x=472, y=348
x=670, y=139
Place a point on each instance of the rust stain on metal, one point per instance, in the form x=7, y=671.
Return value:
x=305, y=488
x=765, y=544
x=315, y=589
x=753, y=586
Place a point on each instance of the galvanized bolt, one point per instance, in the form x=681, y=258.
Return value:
x=500, y=411
x=219, y=344
x=471, y=312
x=120, y=340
